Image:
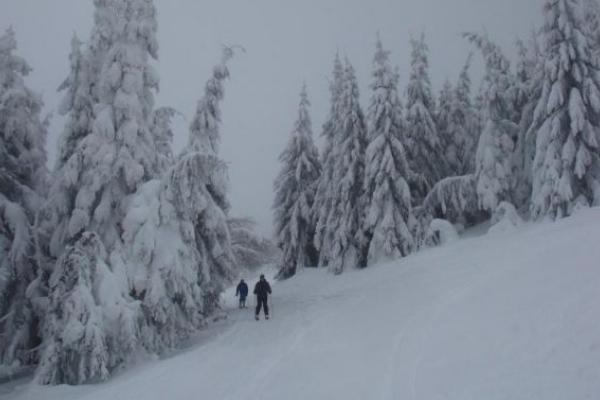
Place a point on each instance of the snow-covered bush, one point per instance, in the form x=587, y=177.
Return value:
x=440, y=232
x=455, y=199
x=505, y=218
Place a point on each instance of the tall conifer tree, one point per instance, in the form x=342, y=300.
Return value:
x=423, y=145
x=388, y=203
x=566, y=168
x=295, y=188
x=494, y=163
x=22, y=180
x=347, y=205
x=323, y=195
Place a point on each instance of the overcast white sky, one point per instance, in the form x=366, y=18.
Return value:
x=287, y=42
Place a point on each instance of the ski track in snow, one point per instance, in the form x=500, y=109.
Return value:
x=504, y=316
x=387, y=389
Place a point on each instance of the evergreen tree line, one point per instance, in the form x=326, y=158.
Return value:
x=125, y=247
x=527, y=143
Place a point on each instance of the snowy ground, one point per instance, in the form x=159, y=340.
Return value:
x=504, y=316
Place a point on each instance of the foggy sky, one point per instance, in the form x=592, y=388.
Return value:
x=287, y=43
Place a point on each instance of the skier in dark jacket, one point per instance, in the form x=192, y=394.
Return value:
x=262, y=290
x=242, y=291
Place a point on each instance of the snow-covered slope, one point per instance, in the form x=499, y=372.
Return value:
x=502, y=316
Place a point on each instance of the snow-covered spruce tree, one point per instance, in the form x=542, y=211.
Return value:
x=442, y=119
x=423, y=145
x=120, y=153
x=525, y=70
x=591, y=12
x=480, y=117
x=494, y=158
x=388, y=202
x=163, y=137
x=176, y=229
x=105, y=31
x=201, y=154
x=163, y=266
x=345, y=218
x=325, y=186
x=22, y=178
x=455, y=198
x=250, y=248
x=525, y=94
x=204, y=131
x=77, y=106
x=566, y=168
x=469, y=199
x=462, y=134
x=106, y=166
x=295, y=188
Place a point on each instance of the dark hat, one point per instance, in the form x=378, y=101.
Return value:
x=262, y=276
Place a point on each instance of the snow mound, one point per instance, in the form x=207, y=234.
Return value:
x=441, y=232
x=506, y=219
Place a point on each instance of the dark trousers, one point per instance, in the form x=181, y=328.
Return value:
x=242, y=301
x=262, y=302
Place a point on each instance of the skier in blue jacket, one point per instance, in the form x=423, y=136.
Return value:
x=242, y=292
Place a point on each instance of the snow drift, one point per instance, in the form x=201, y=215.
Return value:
x=511, y=316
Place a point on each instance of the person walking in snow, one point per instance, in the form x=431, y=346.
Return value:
x=242, y=292
x=262, y=290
